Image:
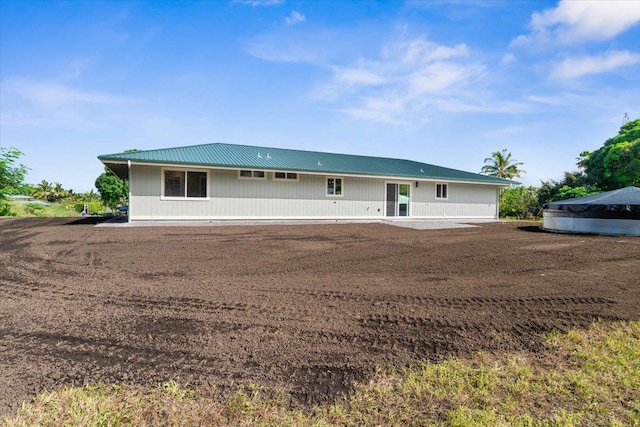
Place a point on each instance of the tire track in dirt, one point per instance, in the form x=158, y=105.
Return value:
x=177, y=304
x=311, y=309
x=446, y=302
x=112, y=358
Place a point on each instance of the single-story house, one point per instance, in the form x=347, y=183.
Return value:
x=224, y=181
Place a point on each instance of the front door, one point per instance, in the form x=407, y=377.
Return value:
x=397, y=199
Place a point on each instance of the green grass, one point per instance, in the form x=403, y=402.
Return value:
x=586, y=378
x=59, y=210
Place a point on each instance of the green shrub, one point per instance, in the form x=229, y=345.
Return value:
x=566, y=192
x=5, y=210
x=35, y=209
x=518, y=202
x=94, y=207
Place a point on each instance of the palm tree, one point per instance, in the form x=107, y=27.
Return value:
x=501, y=166
x=91, y=196
x=43, y=191
x=58, y=193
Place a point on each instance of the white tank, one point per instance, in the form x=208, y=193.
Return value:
x=615, y=213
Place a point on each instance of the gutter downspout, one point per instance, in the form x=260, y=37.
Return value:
x=129, y=201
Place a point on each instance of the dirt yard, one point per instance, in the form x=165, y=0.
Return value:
x=310, y=308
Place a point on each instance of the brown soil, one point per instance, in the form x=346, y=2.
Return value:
x=310, y=308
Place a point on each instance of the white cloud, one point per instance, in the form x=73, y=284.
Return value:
x=296, y=45
x=54, y=105
x=509, y=130
x=388, y=108
x=440, y=77
x=508, y=58
x=357, y=76
x=420, y=51
x=572, y=22
x=406, y=79
x=574, y=67
x=295, y=18
x=260, y=3
x=555, y=100
x=47, y=94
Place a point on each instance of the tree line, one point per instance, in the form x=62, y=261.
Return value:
x=112, y=191
x=614, y=165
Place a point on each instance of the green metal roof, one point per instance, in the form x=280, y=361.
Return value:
x=279, y=159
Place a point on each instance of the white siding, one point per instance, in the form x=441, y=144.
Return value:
x=463, y=201
x=231, y=197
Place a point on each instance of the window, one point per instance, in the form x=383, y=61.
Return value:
x=181, y=183
x=288, y=176
x=196, y=184
x=174, y=183
x=334, y=186
x=251, y=174
x=441, y=191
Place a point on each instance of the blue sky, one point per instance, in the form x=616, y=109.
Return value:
x=442, y=82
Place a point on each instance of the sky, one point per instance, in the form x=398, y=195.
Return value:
x=440, y=82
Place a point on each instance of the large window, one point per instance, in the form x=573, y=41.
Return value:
x=334, y=186
x=442, y=191
x=181, y=183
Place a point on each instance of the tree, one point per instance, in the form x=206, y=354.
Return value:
x=91, y=196
x=566, y=192
x=574, y=184
x=113, y=190
x=11, y=176
x=617, y=163
x=58, y=193
x=501, y=166
x=44, y=191
x=518, y=201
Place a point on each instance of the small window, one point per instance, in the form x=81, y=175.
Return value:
x=441, y=191
x=334, y=186
x=251, y=174
x=288, y=176
x=189, y=184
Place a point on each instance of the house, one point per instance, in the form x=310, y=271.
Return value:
x=224, y=181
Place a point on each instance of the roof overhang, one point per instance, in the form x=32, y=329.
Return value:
x=121, y=169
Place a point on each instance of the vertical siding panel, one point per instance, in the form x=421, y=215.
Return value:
x=363, y=197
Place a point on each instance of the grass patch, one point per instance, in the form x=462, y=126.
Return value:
x=587, y=378
x=53, y=210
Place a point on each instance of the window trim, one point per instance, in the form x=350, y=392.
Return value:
x=326, y=186
x=286, y=179
x=186, y=180
x=252, y=177
x=445, y=186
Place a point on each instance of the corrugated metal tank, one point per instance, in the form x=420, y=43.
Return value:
x=615, y=213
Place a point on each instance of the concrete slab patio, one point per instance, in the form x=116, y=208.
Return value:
x=417, y=224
